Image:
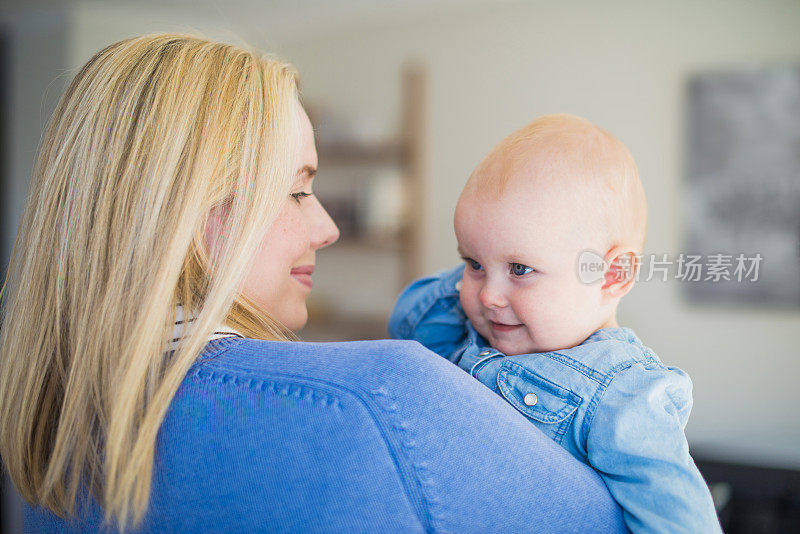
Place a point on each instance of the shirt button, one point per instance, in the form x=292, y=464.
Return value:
x=485, y=353
x=530, y=399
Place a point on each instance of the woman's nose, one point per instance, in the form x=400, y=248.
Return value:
x=324, y=230
x=491, y=297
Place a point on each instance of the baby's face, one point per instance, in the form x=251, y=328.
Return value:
x=520, y=288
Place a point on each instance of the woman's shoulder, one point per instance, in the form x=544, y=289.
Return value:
x=352, y=364
x=383, y=411
x=257, y=355
x=244, y=347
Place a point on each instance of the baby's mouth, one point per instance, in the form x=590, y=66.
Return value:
x=503, y=328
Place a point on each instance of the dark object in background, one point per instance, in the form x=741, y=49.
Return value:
x=742, y=192
x=762, y=500
x=5, y=180
x=5, y=159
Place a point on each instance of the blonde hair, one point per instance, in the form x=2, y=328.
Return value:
x=151, y=134
x=567, y=150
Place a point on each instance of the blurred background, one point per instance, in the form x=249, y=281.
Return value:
x=407, y=96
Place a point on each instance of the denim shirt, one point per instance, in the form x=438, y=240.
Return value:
x=609, y=401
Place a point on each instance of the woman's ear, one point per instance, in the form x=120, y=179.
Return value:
x=215, y=222
x=621, y=273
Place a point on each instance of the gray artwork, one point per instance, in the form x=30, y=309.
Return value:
x=743, y=185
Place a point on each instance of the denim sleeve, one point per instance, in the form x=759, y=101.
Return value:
x=429, y=311
x=637, y=444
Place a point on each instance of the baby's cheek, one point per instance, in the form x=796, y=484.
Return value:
x=463, y=297
x=528, y=304
x=468, y=296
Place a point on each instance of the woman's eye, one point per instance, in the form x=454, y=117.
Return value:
x=298, y=196
x=518, y=269
x=474, y=265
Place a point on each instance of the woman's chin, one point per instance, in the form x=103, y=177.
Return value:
x=297, y=321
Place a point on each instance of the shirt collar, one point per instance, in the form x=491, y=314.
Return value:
x=621, y=333
x=183, y=326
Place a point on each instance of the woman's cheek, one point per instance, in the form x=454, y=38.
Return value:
x=294, y=235
x=301, y=232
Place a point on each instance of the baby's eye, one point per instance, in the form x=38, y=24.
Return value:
x=300, y=195
x=474, y=265
x=518, y=269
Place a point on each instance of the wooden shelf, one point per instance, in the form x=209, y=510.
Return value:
x=395, y=241
x=407, y=151
x=359, y=153
x=362, y=274
x=352, y=242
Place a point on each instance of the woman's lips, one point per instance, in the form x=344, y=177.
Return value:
x=303, y=275
x=501, y=327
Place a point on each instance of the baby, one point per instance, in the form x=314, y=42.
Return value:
x=520, y=316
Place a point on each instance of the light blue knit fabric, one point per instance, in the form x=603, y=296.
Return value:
x=373, y=436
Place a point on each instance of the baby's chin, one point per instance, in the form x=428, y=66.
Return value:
x=523, y=343
x=511, y=344
x=511, y=347
x=512, y=350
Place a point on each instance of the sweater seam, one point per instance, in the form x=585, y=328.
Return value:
x=414, y=490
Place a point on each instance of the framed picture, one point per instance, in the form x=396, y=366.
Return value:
x=743, y=187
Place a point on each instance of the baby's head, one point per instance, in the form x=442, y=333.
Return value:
x=547, y=193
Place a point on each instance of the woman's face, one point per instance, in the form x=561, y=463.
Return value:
x=279, y=280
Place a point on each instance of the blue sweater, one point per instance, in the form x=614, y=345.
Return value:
x=373, y=436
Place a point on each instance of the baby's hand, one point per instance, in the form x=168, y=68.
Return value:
x=429, y=311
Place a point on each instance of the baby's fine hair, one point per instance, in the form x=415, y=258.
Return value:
x=567, y=151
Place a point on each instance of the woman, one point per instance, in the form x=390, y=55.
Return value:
x=171, y=214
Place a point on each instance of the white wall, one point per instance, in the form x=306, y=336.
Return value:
x=496, y=66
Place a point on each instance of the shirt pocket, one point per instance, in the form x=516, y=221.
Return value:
x=549, y=406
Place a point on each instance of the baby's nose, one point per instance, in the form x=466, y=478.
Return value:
x=491, y=298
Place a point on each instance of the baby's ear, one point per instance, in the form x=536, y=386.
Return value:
x=623, y=266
